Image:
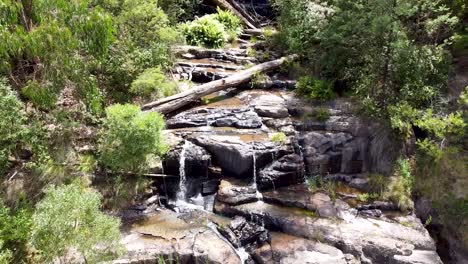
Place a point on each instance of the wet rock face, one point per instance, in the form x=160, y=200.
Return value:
x=197, y=160
x=235, y=157
x=286, y=171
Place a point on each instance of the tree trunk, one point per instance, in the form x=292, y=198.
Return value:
x=171, y=103
x=248, y=21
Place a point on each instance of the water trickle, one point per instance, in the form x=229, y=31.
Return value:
x=181, y=195
x=240, y=252
x=258, y=194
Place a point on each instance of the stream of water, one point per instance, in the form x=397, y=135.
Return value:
x=181, y=195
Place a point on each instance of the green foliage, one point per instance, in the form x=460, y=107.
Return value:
x=314, y=89
x=386, y=58
x=15, y=228
x=366, y=197
x=153, y=81
x=129, y=137
x=212, y=30
x=144, y=41
x=279, y=138
x=12, y=123
x=179, y=10
x=70, y=216
x=257, y=79
x=230, y=21
x=205, y=31
x=47, y=45
x=401, y=185
x=378, y=183
x=39, y=96
x=321, y=114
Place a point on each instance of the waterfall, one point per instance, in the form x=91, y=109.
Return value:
x=240, y=252
x=258, y=194
x=181, y=195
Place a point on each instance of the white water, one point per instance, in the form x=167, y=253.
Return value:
x=181, y=195
x=258, y=194
x=240, y=252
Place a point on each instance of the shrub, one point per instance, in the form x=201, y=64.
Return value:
x=12, y=123
x=129, y=136
x=401, y=185
x=153, y=81
x=279, y=138
x=321, y=114
x=204, y=31
x=230, y=21
x=69, y=216
x=39, y=96
x=314, y=89
x=212, y=30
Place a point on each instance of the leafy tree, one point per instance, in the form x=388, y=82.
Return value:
x=391, y=54
x=12, y=123
x=68, y=217
x=46, y=45
x=129, y=137
x=144, y=41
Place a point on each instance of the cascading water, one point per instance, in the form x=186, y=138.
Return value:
x=181, y=195
x=258, y=194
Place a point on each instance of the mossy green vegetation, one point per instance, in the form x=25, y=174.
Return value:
x=314, y=89
x=153, y=83
x=279, y=138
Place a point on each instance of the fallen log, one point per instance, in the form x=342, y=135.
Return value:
x=226, y=5
x=174, y=102
x=244, y=13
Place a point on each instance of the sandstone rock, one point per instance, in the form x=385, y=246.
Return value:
x=290, y=249
x=376, y=240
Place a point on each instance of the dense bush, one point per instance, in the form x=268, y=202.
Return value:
x=204, y=31
x=314, y=89
x=230, y=21
x=12, y=123
x=69, y=216
x=153, y=81
x=179, y=10
x=212, y=30
x=51, y=44
x=129, y=137
x=144, y=41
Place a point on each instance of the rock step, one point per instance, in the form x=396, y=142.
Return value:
x=371, y=240
x=239, y=56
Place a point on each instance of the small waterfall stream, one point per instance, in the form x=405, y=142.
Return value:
x=181, y=195
x=258, y=194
